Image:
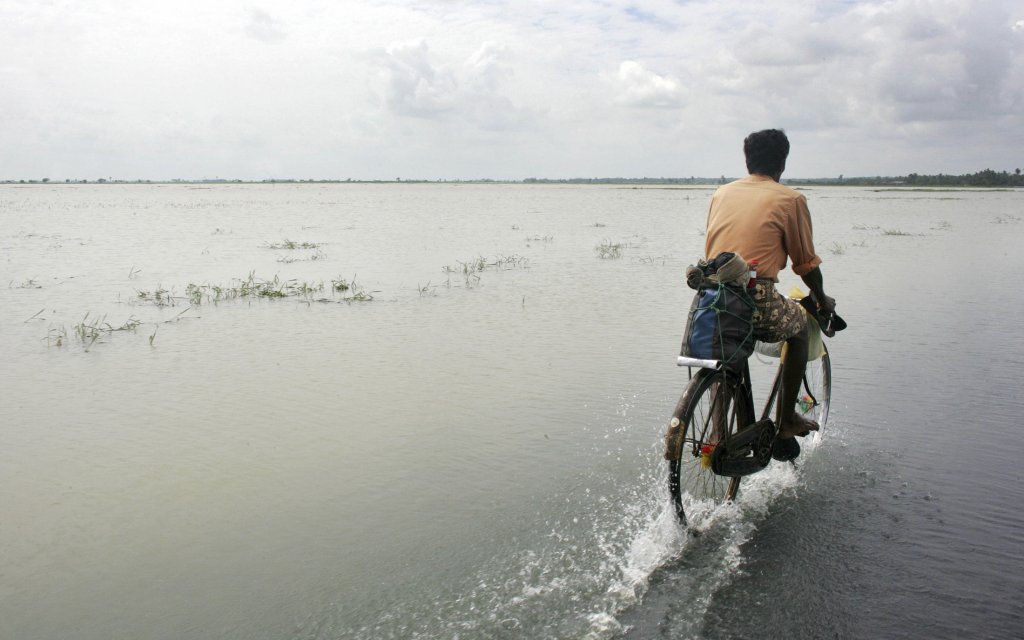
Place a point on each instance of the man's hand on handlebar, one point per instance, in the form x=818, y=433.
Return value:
x=826, y=305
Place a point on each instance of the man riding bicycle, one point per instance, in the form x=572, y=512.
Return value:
x=762, y=220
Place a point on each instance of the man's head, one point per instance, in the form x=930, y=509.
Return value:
x=766, y=152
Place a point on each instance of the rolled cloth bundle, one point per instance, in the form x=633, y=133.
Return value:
x=727, y=268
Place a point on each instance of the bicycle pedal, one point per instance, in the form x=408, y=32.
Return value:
x=786, y=450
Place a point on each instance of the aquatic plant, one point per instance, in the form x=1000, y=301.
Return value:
x=250, y=287
x=837, y=248
x=340, y=285
x=275, y=288
x=475, y=265
x=291, y=245
x=160, y=297
x=316, y=255
x=56, y=336
x=608, y=249
x=896, y=232
x=90, y=330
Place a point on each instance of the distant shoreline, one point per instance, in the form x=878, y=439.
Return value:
x=982, y=179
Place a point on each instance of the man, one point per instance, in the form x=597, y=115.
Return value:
x=760, y=219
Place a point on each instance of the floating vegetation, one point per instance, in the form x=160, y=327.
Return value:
x=608, y=249
x=652, y=260
x=160, y=297
x=27, y=284
x=89, y=330
x=316, y=255
x=290, y=245
x=865, y=227
x=943, y=225
x=600, y=225
x=92, y=328
x=510, y=262
x=470, y=269
x=837, y=248
x=253, y=287
x=340, y=285
x=478, y=264
x=1006, y=219
x=895, y=232
x=537, y=238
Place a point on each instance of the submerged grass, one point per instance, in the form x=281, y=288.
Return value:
x=274, y=288
x=470, y=269
x=608, y=249
x=290, y=245
x=89, y=330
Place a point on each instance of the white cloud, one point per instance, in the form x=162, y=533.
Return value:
x=264, y=27
x=468, y=91
x=638, y=87
x=413, y=86
x=380, y=88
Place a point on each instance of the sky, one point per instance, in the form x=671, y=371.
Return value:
x=506, y=90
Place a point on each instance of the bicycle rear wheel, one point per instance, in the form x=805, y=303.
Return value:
x=713, y=406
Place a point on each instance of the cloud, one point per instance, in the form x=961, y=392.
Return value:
x=413, y=85
x=507, y=89
x=264, y=27
x=468, y=91
x=637, y=87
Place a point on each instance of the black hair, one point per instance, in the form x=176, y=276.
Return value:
x=766, y=151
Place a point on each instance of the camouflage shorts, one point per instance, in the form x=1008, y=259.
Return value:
x=776, y=317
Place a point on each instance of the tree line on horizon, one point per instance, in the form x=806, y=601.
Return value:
x=984, y=178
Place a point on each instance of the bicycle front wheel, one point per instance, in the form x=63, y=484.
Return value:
x=712, y=408
x=816, y=393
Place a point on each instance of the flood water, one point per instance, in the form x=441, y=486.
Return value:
x=477, y=453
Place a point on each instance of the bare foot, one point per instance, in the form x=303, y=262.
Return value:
x=796, y=425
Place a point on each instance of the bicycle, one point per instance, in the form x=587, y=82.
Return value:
x=718, y=440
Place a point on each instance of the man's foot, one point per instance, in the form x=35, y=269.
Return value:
x=796, y=425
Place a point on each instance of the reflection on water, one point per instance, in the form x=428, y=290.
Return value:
x=477, y=452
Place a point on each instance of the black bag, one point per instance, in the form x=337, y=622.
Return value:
x=720, y=325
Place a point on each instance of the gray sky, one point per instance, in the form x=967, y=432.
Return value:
x=452, y=89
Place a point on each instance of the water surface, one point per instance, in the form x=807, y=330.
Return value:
x=480, y=456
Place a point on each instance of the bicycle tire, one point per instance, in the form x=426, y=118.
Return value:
x=714, y=405
x=816, y=393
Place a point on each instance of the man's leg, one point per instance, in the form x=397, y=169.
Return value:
x=790, y=422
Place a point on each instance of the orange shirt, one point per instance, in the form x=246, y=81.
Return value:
x=762, y=220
